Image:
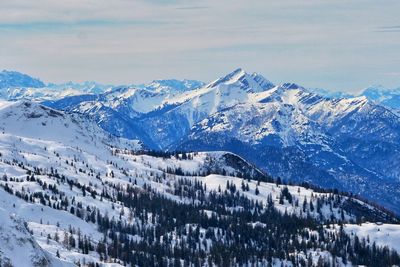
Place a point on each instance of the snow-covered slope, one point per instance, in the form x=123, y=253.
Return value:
x=380, y=233
x=19, y=248
x=34, y=121
x=76, y=187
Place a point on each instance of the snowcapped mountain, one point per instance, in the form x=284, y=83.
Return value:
x=72, y=194
x=240, y=79
x=287, y=130
x=290, y=132
x=175, y=118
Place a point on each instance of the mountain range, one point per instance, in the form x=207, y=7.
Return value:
x=299, y=134
x=388, y=97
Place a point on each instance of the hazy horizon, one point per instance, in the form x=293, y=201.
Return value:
x=336, y=46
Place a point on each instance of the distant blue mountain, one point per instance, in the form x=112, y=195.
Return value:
x=11, y=79
x=84, y=87
x=330, y=94
x=172, y=84
x=384, y=96
x=377, y=93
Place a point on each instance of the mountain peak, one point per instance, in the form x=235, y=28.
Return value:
x=249, y=82
x=231, y=77
x=25, y=109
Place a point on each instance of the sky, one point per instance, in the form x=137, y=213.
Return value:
x=336, y=44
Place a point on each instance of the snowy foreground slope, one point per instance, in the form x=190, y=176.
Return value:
x=19, y=248
x=382, y=234
x=72, y=194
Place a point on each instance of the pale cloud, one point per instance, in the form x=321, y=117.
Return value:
x=392, y=74
x=389, y=29
x=332, y=44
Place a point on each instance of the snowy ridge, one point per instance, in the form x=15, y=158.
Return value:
x=34, y=121
x=239, y=78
